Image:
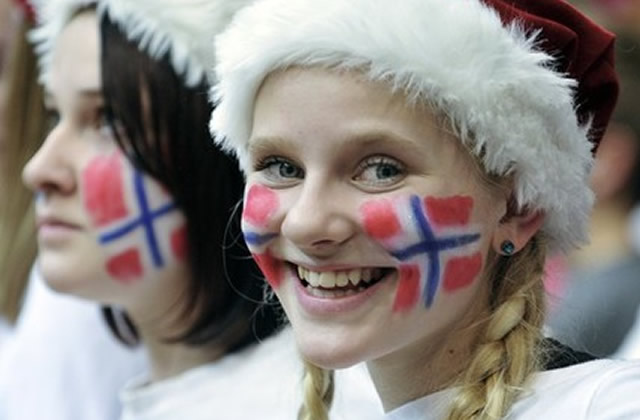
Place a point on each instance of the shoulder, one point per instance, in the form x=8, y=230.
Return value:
x=595, y=390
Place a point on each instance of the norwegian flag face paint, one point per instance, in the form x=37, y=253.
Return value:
x=260, y=206
x=138, y=224
x=432, y=240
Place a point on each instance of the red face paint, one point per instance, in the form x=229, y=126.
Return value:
x=380, y=220
x=126, y=266
x=408, y=292
x=271, y=268
x=103, y=194
x=261, y=204
x=179, y=242
x=461, y=271
x=450, y=211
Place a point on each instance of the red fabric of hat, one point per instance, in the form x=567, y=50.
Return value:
x=584, y=51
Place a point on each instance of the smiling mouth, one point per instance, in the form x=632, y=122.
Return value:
x=336, y=284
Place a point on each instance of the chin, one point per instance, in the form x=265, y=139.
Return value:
x=62, y=278
x=331, y=352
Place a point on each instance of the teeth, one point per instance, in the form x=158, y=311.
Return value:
x=355, y=276
x=327, y=279
x=333, y=279
x=342, y=279
x=313, y=278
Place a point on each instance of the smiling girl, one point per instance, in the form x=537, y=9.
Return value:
x=408, y=166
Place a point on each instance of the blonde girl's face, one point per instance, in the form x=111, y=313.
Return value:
x=106, y=231
x=367, y=218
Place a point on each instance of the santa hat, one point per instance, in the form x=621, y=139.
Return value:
x=529, y=86
x=183, y=28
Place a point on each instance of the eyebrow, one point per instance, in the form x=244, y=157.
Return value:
x=268, y=144
x=369, y=139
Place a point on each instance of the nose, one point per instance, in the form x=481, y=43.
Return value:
x=318, y=223
x=48, y=170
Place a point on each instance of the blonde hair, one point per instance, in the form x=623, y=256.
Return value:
x=501, y=363
x=318, y=387
x=24, y=130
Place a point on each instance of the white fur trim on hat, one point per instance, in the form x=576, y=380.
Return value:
x=183, y=28
x=490, y=79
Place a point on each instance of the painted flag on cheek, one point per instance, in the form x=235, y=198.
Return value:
x=432, y=239
x=139, y=225
x=261, y=204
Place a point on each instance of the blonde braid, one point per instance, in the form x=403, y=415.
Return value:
x=318, y=393
x=509, y=353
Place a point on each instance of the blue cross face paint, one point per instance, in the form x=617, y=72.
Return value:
x=432, y=241
x=138, y=223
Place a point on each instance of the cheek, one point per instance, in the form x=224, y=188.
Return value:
x=433, y=242
x=258, y=215
x=138, y=226
x=261, y=203
x=260, y=207
x=103, y=190
x=272, y=268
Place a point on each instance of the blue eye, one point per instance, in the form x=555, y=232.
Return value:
x=278, y=168
x=380, y=171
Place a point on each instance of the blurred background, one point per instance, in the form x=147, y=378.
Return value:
x=594, y=293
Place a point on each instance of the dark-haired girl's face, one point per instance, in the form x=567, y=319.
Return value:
x=369, y=220
x=106, y=231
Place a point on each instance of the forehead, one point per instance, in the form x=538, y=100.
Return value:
x=319, y=106
x=76, y=55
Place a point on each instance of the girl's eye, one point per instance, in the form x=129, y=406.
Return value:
x=379, y=171
x=52, y=119
x=278, y=168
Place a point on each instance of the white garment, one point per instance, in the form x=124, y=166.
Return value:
x=261, y=382
x=61, y=361
x=630, y=347
x=597, y=390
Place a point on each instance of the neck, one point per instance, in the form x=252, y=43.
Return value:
x=427, y=366
x=169, y=359
x=159, y=319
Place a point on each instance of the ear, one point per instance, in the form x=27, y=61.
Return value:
x=518, y=229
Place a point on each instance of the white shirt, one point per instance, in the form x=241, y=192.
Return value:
x=61, y=362
x=597, y=390
x=261, y=382
x=630, y=347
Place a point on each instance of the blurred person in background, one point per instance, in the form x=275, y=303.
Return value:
x=58, y=359
x=595, y=296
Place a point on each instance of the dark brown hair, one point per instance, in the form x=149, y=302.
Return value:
x=161, y=124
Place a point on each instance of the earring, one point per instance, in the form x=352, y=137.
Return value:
x=508, y=248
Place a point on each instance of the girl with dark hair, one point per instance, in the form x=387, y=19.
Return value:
x=408, y=166
x=135, y=208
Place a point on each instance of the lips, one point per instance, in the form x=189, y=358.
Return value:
x=55, y=222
